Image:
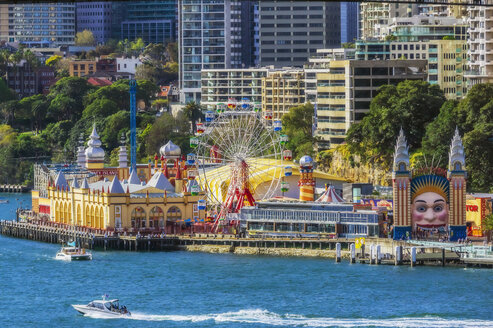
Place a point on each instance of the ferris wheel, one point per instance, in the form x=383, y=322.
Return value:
x=238, y=156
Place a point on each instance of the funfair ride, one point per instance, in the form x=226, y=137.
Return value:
x=238, y=155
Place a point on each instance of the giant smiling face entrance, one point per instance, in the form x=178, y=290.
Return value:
x=429, y=202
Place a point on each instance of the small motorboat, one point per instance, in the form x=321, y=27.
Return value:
x=72, y=253
x=104, y=306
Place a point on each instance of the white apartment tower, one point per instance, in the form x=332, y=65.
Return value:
x=480, y=45
x=375, y=14
x=209, y=33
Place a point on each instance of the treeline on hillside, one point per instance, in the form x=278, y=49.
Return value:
x=48, y=128
x=429, y=122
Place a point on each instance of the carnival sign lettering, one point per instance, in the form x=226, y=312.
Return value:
x=429, y=170
x=472, y=208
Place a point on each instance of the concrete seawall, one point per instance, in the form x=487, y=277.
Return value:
x=323, y=248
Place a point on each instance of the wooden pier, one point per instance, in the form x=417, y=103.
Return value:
x=232, y=244
x=13, y=188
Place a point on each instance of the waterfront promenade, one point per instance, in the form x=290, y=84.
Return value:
x=376, y=250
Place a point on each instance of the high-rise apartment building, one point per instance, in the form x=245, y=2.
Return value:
x=154, y=21
x=374, y=14
x=447, y=60
x=480, y=45
x=4, y=22
x=345, y=92
x=210, y=37
x=40, y=24
x=95, y=17
x=291, y=31
x=424, y=28
x=283, y=90
x=319, y=63
x=349, y=21
x=221, y=85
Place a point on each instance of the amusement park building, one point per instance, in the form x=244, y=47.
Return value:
x=311, y=219
x=151, y=198
x=344, y=94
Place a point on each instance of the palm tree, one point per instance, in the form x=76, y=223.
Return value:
x=487, y=226
x=193, y=112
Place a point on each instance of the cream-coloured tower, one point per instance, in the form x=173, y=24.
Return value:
x=457, y=176
x=401, y=181
x=94, y=153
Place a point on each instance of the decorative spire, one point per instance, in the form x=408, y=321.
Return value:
x=116, y=187
x=81, y=155
x=85, y=184
x=457, y=159
x=122, y=155
x=401, y=154
x=75, y=184
x=94, y=153
x=133, y=178
x=60, y=180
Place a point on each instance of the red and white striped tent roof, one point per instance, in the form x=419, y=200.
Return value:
x=330, y=196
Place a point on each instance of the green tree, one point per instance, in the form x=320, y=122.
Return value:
x=4, y=61
x=160, y=103
x=172, y=51
x=297, y=125
x=410, y=105
x=53, y=60
x=57, y=134
x=66, y=98
x=84, y=38
x=6, y=94
x=35, y=109
x=114, y=126
x=8, y=110
x=487, y=226
x=147, y=72
x=100, y=109
x=473, y=116
x=155, y=51
x=137, y=46
x=193, y=112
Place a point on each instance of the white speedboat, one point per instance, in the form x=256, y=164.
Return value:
x=104, y=307
x=72, y=253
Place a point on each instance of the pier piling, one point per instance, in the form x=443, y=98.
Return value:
x=353, y=253
x=413, y=256
x=338, y=252
x=398, y=255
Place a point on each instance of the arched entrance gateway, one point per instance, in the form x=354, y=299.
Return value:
x=138, y=218
x=173, y=216
x=156, y=218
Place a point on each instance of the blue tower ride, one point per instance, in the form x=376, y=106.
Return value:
x=133, y=126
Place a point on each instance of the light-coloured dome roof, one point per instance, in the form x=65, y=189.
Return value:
x=170, y=150
x=306, y=161
x=94, y=151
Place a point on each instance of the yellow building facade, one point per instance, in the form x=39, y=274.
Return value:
x=281, y=91
x=150, y=198
x=148, y=208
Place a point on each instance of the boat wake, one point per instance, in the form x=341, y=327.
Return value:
x=264, y=317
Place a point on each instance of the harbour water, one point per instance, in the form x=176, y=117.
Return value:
x=181, y=289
